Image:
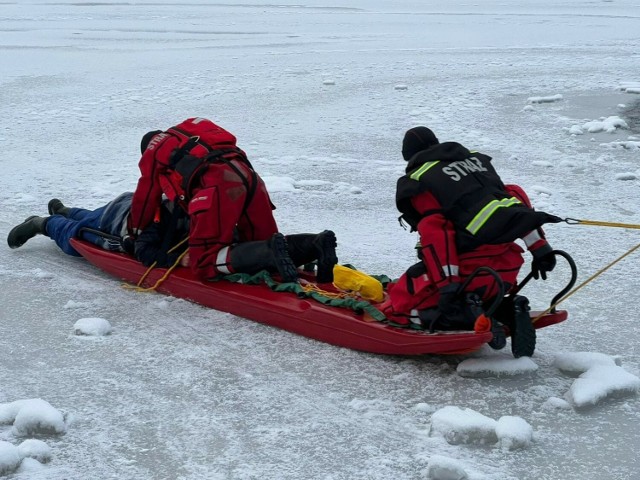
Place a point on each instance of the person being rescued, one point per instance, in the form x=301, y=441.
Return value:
x=198, y=166
x=106, y=227
x=466, y=218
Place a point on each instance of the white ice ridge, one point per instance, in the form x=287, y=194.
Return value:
x=603, y=124
x=548, y=99
x=466, y=426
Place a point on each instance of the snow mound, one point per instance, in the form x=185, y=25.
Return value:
x=8, y=411
x=630, y=87
x=9, y=458
x=30, y=465
x=501, y=366
x=463, y=425
x=555, y=403
x=514, y=433
x=601, y=382
x=604, y=124
x=627, y=145
x=279, y=184
x=32, y=417
x=95, y=327
x=36, y=449
x=580, y=362
x=445, y=468
x=626, y=176
x=548, y=99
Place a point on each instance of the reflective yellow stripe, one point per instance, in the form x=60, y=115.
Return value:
x=489, y=209
x=419, y=172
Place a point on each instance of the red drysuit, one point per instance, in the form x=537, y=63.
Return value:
x=443, y=263
x=197, y=164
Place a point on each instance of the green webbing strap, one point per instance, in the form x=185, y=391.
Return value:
x=263, y=276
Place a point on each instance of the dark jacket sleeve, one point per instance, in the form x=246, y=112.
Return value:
x=148, y=248
x=148, y=244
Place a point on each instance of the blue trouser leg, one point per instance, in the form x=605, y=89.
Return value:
x=62, y=229
x=78, y=213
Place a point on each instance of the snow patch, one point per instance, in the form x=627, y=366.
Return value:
x=30, y=465
x=36, y=449
x=92, y=326
x=579, y=362
x=39, y=273
x=32, y=417
x=601, y=382
x=73, y=304
x=498, y=366
x=630, y=87
x=542, y=163
x=279, y=184
x=626, y=176
x=548, y=99
x=424, y=407
x=604, y=124
x=445, y=468
x=555, y=403
x=9, y=458
x=514, y=433
x=626, y=145
x=463, y=425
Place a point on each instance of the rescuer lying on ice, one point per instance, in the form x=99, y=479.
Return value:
x=466, y=218
x=246, y=197
x=197, y=165
x=215, y=197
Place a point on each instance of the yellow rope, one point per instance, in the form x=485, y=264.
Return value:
x=139, y=288
x=575, y=221
x=310, y=287
x=592, y=277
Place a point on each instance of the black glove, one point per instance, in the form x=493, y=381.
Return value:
x=544, y=261
x=416, y=270
x=450, y=304
x=128, y=244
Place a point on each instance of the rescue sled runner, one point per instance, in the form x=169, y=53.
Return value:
x=356, y=329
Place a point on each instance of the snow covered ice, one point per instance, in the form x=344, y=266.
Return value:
x=319, y=94
x=92, y=326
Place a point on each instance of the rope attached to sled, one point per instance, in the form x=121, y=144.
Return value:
x=575, y=221
x=332, y=299
x=591, y=278
x=138, y=287
x=598, y=223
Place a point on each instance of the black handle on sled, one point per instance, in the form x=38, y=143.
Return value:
x=498, y=299
x=565, y=290
x=572, y=280
x=102, y=234
x=107, y=236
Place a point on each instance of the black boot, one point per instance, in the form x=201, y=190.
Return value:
x=272, y=255
x=306, y=247
x=523, y=333
x=56, y=207
x=31, y=227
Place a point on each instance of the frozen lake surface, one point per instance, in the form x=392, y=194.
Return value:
x=319, y=95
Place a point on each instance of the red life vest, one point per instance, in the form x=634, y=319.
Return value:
x=171, y=161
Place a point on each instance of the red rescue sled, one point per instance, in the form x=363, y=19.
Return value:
x=304, y=316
